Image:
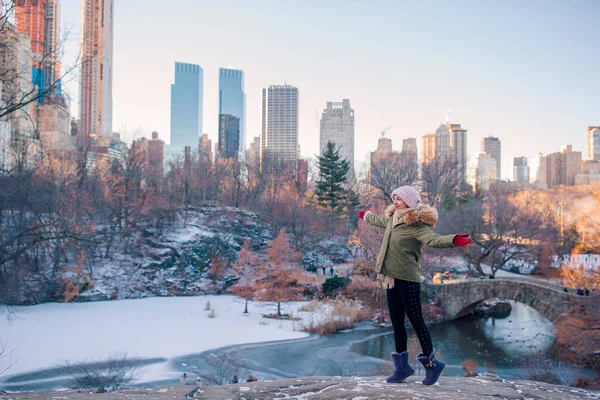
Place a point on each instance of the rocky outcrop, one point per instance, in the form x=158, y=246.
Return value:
x=351, y=388
x=176, y=260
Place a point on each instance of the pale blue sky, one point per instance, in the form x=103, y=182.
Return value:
x=525, y=71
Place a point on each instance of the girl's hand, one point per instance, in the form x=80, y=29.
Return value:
x=361, y=213
x=462, y=239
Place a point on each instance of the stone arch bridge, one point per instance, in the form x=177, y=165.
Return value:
x=458, y=297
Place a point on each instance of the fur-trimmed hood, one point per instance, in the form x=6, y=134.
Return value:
x=427, y=215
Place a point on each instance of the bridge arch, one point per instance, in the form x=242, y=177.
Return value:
x=457, y=298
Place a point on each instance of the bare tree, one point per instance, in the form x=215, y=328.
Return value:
x=221, y=369
x=391, y=170
x=441, y=181
x=6, y=361
x=114, y=374
x=253, y=185
x=230, y=173
x=501, y=231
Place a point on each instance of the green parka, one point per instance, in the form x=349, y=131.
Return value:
x=400, y=252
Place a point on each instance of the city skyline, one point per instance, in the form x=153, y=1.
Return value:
x=484, y=79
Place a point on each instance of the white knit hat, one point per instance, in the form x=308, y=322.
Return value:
x=407, y=194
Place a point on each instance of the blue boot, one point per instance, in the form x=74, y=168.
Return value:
x=433, y=368
x=402, y=368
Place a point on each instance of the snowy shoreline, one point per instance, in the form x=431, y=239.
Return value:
x=48, y=335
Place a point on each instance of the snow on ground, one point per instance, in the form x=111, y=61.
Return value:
x=47, y=335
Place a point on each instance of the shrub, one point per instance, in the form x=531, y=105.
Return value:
x=341, y=314
x=368, y=293
x=114, y=374
x=310, y=307
x=332, y=286
x=587, y=383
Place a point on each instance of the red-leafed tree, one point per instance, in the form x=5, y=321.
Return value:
x=247, y=267
x=218, y=267
x=280, y=279
x=279, y=285
x=280, y=253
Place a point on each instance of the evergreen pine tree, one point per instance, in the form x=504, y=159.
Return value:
x=331, y=190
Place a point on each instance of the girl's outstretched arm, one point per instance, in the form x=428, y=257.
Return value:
x=373, y=219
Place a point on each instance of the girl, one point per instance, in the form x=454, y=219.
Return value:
x=408, y=226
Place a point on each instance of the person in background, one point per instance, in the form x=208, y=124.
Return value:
x=183, y=379
x=408, y=226
x=235, y=379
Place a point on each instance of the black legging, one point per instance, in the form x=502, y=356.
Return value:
x=405, y=299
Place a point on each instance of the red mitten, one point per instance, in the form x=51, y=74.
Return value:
x=461, y=240
x=361, y=213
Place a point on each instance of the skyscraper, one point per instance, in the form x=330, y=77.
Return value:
x=30, y=18
x=205, y=148
x=186, y=106
x=384, y=145
x=491, y=145
x=51, y=45
x=253, y=153
x=559, y=168
x=593, y=142
x=16, y=59
x=428, y=148
x=337, y=126
x=520, y=170
x=279, y=136
x=442, y=142
x=152, y=157
x=458, y=150
x=409, y=149
x=229, y=136
x=437, y=145
x=39, y=19
x=95, y=83
x=232, y=101
x=487, y=171
x=382, y=159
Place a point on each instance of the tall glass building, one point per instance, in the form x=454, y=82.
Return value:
x=229, y=136
x=232, y=101
x=186, y=105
